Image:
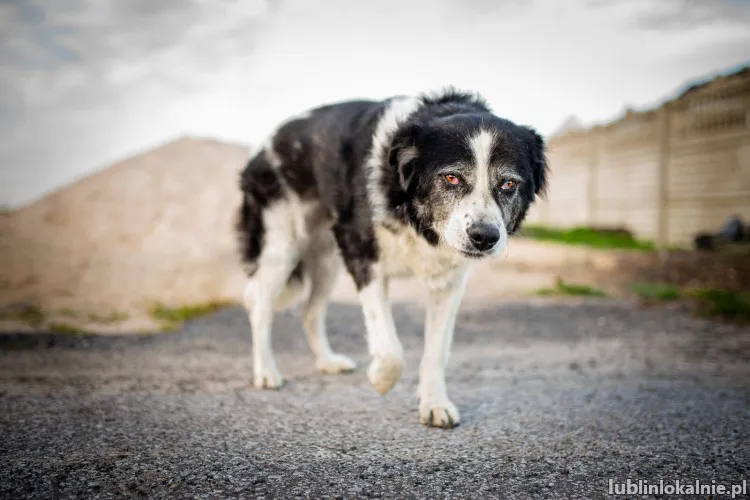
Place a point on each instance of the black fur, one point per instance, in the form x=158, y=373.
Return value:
x=454, y=97
x=438, y=132
x=538, y=160
x=260, y=187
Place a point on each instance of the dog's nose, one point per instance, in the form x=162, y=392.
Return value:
x=483, y=236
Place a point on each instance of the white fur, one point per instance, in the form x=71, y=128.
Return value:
x=404, y=253
x=321, y=268
x=382, y=340
x=481, y=148
x=265, y=289
x=397, y=113
x=443, y=271
x=435, y=408
x=479, y=206
x=291, y=236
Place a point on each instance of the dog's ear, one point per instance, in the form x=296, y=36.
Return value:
x=538, y=158
x=402, y=154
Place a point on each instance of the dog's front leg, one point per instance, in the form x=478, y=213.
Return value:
x=435, y=408
x=388, y=355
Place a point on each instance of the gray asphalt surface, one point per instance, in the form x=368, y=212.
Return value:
x=555, y=400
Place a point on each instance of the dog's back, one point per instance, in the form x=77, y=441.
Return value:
x=303, y=176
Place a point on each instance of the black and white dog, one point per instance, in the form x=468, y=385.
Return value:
x=410, y=186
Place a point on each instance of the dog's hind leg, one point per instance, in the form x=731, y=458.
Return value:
x=321, y=268
x=261, y=297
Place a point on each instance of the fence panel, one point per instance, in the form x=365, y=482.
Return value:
x=664, y=174
x=569, y=182
x=627, y=189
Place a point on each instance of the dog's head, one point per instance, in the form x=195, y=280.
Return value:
x=469, y=179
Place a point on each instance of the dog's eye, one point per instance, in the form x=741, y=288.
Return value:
x=452, y=179
x=508, y=185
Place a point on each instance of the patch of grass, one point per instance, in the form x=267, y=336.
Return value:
x=708, y=302
x=31, y=315
x=596, y=238
x=68, y=313
x=656, y=291
x=562, y=288
x=64, y=328
x=113, y=317
x=183, y=313
x=726, y=304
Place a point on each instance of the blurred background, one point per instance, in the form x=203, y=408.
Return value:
x=123, y=124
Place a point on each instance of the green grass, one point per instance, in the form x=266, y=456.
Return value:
x=185, y=312
x=68, y=313
x=64, y=328
x=725, y=304
x=113, y=317
x=709, y=302
x=31, y=315
x=596, y=238
x=656, y=291
x=562, y=288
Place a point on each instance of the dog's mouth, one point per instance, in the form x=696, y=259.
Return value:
x=474, y=254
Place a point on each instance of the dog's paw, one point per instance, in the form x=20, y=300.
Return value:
x=385, y=371
x=268, y=378
x=335, y=363
x=438, y=412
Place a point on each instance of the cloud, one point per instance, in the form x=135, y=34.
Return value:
x=683, y=15
x=86, y=82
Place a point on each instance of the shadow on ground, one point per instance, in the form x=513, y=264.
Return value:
x=556, y=398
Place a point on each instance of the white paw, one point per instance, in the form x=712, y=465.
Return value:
x=335, y=363
x=438, y=412
x=385, y=371
x=267, y=377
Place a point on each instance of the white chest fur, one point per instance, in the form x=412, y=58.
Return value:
x=403, y=253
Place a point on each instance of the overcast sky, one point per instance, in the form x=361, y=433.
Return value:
x=84, y=83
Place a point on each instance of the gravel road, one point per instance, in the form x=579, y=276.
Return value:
x=556, y=397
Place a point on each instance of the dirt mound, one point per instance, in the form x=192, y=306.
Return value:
x=156, y=227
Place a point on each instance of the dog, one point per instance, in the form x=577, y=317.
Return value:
x=422, y=186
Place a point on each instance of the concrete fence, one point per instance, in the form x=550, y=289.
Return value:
x=664, y=174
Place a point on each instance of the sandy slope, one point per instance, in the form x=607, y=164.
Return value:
x=158, y=228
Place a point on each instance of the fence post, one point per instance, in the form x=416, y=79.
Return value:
x=662, y=201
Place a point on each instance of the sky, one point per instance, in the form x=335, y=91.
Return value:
x=85, y=83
